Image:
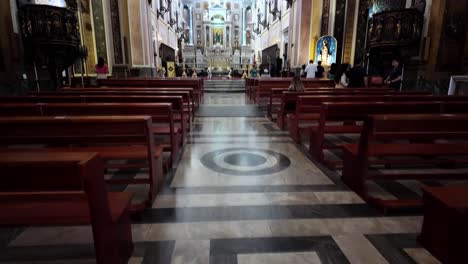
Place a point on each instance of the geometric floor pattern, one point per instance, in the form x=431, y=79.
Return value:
x=244, y=193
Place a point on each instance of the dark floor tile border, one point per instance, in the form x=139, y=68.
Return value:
x=398, y=190
x=229, y=111
x=258, y=212
x=332, y=175
x=237, y=135
x=237, y=142
x=166, y=190
x=391, y=246
x=158, y=252
x=226, y=250
x=8, y=234
x=152, y=252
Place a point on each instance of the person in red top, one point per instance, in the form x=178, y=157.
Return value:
x=101, y=69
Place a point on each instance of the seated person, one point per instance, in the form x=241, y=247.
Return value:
x=266, y=74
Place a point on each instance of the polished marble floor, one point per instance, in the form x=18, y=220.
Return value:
x=243, y=192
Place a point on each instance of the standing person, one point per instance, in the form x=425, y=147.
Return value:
x=265, y=74
x=209, y=73
x=320, y=70
x=356, y=76
x=394, y=78
x=310, y=70
x=101, y=69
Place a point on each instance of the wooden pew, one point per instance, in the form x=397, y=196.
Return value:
x=341, y=118
x=195, y=83
x=445, y=226
x=161, y=113
x=64, y=188
x=390, y=136
x=186, y=93
x=276, y=95
x=308, y=107
x=177, y=105
x=113, y=137
x=262, y=90
x=289, y=99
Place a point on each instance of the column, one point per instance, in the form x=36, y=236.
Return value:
x=244, y=25
x=191, y=26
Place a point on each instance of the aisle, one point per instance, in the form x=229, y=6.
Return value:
x=245, y=193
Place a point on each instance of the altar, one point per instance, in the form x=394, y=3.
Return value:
x=218, y=38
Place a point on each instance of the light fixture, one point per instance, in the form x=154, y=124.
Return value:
x=275, y=10
x=264, y=23
x=161, y=11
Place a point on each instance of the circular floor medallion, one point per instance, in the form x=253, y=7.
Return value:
x=245, y=161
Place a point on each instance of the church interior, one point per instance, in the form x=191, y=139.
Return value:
x=234, y=131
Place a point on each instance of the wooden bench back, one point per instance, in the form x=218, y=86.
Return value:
x=280, y=91
x=49, y=172
x=83, y=130
x=194, y=83
x=292, y=97
x=159, y=112
x=176, y=101
x=343, y=111
x=416, y=126
x=308, y=103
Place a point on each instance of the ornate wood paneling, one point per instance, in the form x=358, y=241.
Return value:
x=116, y=36
x=50, y=32
x=395, y=28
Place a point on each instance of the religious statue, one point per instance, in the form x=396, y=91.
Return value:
x=248, y=36
x=379, y=30
x=371, y=30
x=217, y=38
x=324, y=53
x=398, y=30
x=205, y=15
x=228, y=15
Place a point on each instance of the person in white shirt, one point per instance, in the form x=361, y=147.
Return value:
x=311, y=69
